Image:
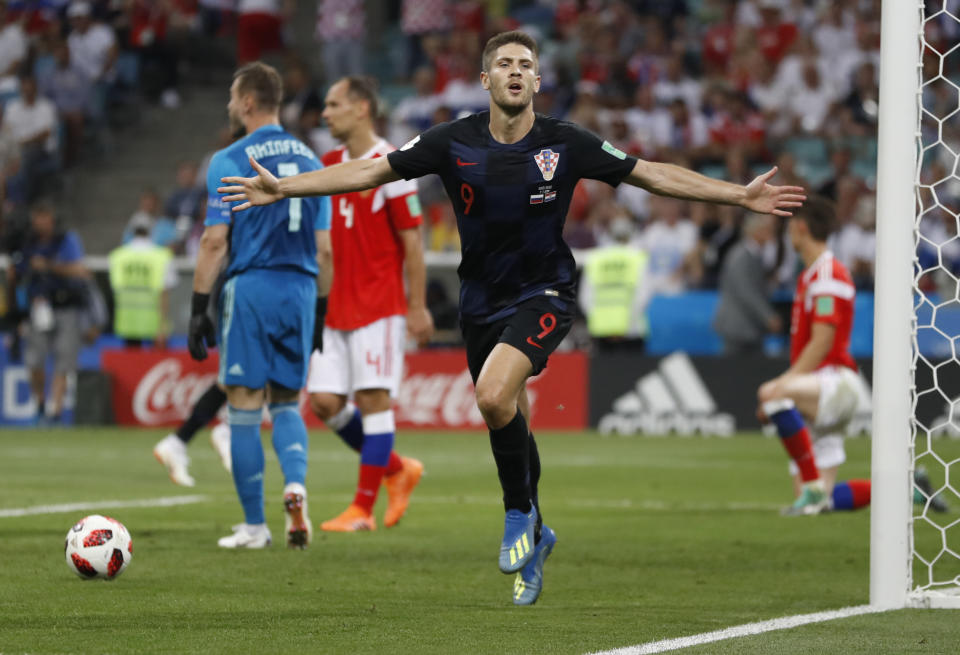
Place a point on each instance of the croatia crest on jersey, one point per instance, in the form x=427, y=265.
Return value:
x=547, y=162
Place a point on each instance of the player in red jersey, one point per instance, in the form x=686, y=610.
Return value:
x=822, y=386
x=376, y=235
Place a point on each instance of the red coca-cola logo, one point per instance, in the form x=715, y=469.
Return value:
x=166, y=393
x=442, y=399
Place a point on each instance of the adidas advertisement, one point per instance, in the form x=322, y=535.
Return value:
x=683, y=395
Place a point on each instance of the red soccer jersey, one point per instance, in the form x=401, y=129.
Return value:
x=367, y=250
x=824, y=295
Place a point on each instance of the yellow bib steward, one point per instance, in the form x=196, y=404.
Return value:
x=137, y=276
x=614, y=273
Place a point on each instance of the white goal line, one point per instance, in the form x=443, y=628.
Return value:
x=745, y=630
x=168, y=501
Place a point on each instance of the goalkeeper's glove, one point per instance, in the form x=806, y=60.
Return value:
x=321, y=314
x=201, y=333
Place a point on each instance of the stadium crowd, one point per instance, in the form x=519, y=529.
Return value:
x=727, y=87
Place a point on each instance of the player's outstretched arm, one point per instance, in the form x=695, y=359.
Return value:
x=679, y=182
x=265, y=188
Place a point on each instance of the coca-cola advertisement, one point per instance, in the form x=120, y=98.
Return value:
x=437, y=392
x=156, y=388
x=153, y=388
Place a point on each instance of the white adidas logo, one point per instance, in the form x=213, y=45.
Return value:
x=236, y=369
x=671, y=399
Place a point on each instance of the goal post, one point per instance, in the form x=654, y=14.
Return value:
x=892, y=462
x=914, y=551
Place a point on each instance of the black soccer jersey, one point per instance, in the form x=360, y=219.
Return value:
x=511, y=201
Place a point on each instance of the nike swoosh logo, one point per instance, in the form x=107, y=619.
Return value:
x=534, y=343
x=465, y=163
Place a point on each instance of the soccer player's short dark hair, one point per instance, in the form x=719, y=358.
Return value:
x=820, y=216
x=504, y=38
x=263, y=81
x=365, y=88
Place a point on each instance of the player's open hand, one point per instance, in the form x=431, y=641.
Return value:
x=251, y=191
x=420, y=325
x=765, y=198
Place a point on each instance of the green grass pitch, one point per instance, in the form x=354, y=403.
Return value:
x=658, y=538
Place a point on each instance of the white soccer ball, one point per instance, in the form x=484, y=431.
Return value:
x=98, y=547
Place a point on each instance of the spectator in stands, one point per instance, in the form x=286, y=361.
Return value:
x=719, y=230
x=418, y=19
x=855, y=242
x=840, y=160
x=675, y=84
x=810, y=101
x=738, y=127
x=32, y=120
x=260, y=27
x=835, y=33
x=687, y=136
x=151, y=24
x=163, y=230
x=668, y=240
x=70, y=91
x=719, y=39
x=864, y=98
x=13, y=48
x=342, y=34
x=217, y=17
x=51, y=272
x=774, y=34
x=766, y=92
x=184, y=203
x=744, y=312
x=301, y=107
x=12, y=190
x=141, y=276
x=414, y=114
x=614, y=292
x=93, y=50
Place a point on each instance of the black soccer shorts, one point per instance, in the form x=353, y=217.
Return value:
x=535, y=329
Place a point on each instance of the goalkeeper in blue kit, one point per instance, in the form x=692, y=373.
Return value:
x=278, y=272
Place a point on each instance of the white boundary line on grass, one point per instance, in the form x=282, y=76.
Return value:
x=745, y=630
x=168, y=501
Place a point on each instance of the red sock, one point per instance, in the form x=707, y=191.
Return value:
x=801, y=450
x=368, y=485
x=861, y=492
x=395, y=464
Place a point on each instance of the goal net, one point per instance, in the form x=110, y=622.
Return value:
x=935, y=538
x=915, y=550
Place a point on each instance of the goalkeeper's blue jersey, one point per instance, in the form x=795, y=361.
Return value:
x=279, y=236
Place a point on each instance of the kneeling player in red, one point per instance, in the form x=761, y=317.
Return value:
x=812, y=403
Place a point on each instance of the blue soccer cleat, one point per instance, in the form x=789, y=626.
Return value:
x=529, y=582
x=517, y=546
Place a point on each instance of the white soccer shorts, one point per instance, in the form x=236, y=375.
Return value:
x=370, y=357
x=840, y=389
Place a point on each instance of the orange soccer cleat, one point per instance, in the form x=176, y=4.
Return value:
x=353, y=519
x=399, y=487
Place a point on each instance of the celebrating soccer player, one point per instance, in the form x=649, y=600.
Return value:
x=511, y=174
x=270, y=314
x=374, y=235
